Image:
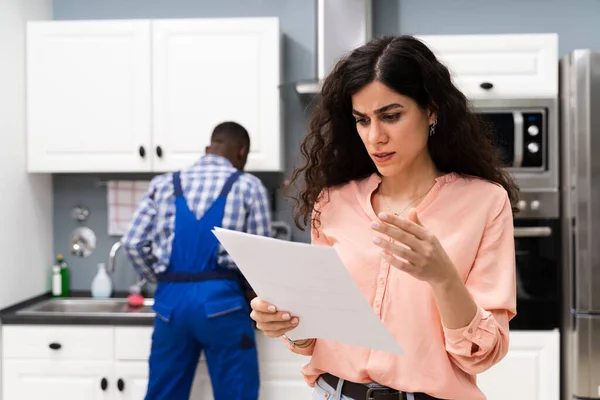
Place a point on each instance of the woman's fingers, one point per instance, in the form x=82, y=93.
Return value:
x=258, y=304
x=276, y=326
x=280, y=316
x=272, y=322
x=397, y=234
x=277, y=333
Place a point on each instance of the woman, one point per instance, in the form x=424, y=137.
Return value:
x=405, y=182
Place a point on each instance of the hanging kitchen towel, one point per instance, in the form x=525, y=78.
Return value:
x=123, y=198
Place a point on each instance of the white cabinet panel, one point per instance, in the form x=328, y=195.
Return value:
x=56, y=380
x=517, y=65
x=530, y=370
x=132, y=342
x=88, y=96
x=131, y=378
x=57, y=342
x=209, y=71
x=142, y=95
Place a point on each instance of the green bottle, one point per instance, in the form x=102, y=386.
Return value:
x=64, y=273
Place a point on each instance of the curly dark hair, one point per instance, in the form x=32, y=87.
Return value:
x=333, y=151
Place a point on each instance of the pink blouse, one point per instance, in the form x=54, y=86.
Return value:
x=473, y=221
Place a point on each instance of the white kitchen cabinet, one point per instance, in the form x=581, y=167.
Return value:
x=280, y=376
x=131, y=378
x=60, y=380
x=515, y=65
x=110, y=363
x=530, y=370
x=88, y=96
x=214, y=70
x=144, y=95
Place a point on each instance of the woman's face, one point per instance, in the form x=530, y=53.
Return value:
x=393, y=128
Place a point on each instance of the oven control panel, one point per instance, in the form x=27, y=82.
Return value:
x=538, y=205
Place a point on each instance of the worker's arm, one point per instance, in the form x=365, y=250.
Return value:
x=259, y=213
x=258, y=218
x=137, y=242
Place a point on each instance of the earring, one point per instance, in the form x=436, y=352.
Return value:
x=432, y=128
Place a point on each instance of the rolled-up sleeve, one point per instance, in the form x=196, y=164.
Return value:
x=492, y=284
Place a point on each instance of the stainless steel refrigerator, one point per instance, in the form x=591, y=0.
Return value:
x=580, y=189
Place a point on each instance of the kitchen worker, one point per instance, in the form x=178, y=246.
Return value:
x=199, y=301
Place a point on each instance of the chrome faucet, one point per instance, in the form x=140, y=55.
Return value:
x=138, y=287
x=110, y=268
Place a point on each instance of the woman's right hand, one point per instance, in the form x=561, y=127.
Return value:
x=268, y=319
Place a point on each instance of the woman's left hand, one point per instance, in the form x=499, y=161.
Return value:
x=412, y=248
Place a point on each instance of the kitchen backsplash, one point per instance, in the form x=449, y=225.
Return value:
x=89, y=190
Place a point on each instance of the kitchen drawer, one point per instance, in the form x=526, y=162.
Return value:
x=57, y=342
x=516, y=65
x=133, y=343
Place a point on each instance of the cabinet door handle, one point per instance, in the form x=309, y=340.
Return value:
x=120, y=385
x=142, y=151
x=55, y=346
x=486, y=85
x=158, y=151
x=104, y=384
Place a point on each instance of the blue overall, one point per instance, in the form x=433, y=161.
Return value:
x=199, y=307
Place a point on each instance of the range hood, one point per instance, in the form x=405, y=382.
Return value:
x=342, y=25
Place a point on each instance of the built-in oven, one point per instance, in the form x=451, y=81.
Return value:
x=538, y=250
x=537, y=247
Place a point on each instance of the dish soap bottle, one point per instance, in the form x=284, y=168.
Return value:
x=56, y=281
x=101, y=285
x=64, y=272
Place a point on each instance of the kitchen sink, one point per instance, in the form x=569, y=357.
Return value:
x=113, y=307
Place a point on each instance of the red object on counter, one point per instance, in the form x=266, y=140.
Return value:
x=135, y=300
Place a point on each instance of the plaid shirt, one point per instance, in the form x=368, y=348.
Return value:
x=150, y=235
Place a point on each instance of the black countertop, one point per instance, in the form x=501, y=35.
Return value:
x=10, y=315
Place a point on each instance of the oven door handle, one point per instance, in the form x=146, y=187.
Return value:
x=533, y=231
x=518, y=143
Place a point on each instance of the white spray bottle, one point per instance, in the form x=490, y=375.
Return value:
x=101, y=285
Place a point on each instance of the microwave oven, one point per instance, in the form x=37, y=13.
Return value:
x=525, y=132
x=520, y=135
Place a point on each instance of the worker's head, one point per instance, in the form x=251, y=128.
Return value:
x=230, y=140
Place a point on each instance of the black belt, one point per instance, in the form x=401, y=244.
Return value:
x=359, y=391
x=226, y=274
x=198, y=276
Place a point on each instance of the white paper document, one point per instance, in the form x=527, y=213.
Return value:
x=310, y=282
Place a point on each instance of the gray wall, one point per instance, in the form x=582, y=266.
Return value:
x=576, y=22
